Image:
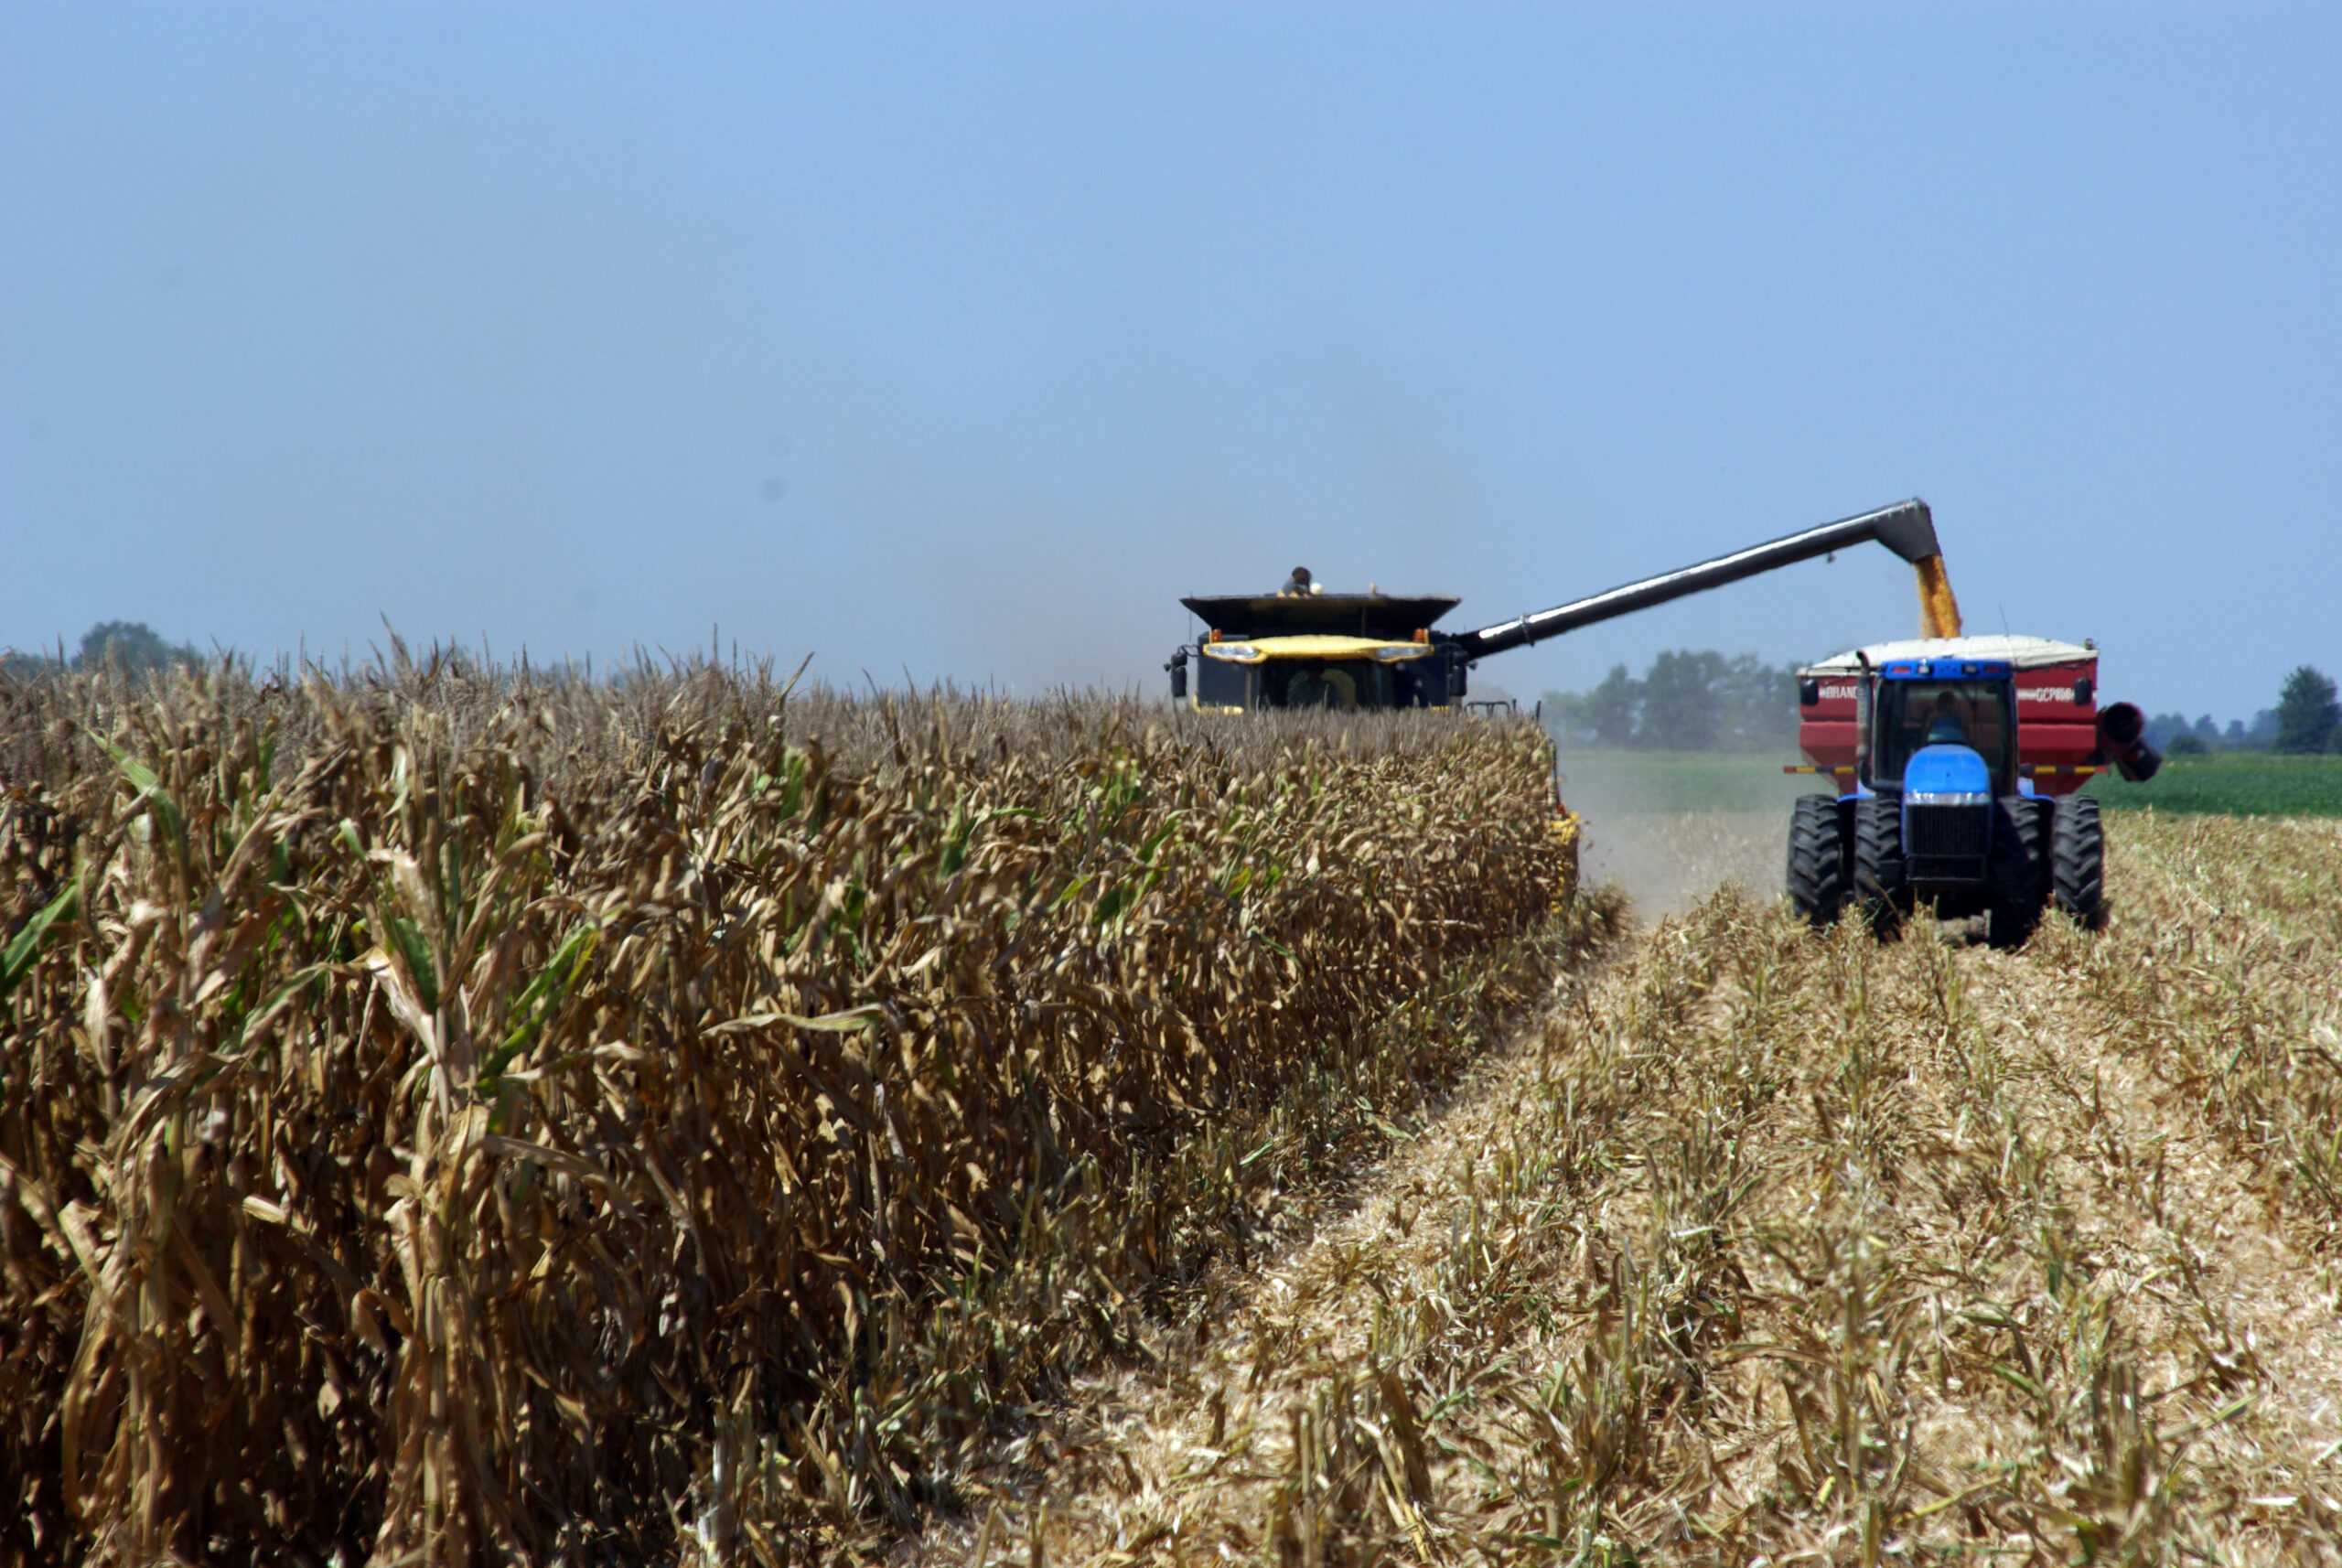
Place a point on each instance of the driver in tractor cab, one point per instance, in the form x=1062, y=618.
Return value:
x=1947, y=728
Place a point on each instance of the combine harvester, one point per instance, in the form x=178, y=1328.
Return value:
x=1956, y=759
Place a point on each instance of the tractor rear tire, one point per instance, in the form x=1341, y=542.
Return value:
x=1817, y=872
x=1882, y=887
x=2078, y=862
x=2019, y=869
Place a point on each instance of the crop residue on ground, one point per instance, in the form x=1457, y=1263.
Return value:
x=1768, y=1247
x=453, y=1117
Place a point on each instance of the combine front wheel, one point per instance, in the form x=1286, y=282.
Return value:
x=2077, y=860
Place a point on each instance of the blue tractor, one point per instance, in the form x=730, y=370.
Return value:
x=1942, y=813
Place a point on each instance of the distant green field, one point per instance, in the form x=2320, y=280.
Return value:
x=1668, y=782
x=1665, y=782
x=2244, y=784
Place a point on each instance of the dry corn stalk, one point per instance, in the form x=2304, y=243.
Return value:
x=468, y=1119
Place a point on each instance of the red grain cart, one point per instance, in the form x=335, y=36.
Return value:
x=2059, y=738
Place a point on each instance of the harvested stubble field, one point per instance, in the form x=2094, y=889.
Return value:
x=1769, y=1249
x=448, y=1116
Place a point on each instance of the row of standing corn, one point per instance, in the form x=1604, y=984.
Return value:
x=480, y=1120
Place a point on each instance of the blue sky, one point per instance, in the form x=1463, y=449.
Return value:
x=960, y=342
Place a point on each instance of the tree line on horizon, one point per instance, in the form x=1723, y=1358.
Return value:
x=131, y=646
x=1686, y=701
x=1702, y=700
x=2307, y=721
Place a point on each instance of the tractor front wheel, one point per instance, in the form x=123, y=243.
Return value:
x=1817, y=875
x=2019, y=870
x=1882, y=887
x=2078, y=862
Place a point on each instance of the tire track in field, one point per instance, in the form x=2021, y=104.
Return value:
x=2219, y=966
x=2225, y=1303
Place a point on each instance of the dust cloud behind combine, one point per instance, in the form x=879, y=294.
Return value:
x=1670, y=826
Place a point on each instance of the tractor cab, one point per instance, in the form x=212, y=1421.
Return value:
x=1942, y=736
x=1953, y=720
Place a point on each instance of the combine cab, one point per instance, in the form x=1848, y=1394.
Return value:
x=1302, y=649
x=1956, y=762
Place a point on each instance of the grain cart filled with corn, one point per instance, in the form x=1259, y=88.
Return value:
x=1957, y=761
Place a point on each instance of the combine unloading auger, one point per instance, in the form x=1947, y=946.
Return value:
x=1906, y=528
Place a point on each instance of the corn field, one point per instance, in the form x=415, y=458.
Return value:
x=452, y=1115
x=1766, y=1248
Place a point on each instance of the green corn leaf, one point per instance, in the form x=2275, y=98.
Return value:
x=140, y=776
x=407, y=935
x=17, y=961
x=543, y=995
x=792, y=791
x=954, y=853
x=150, y=788
x=1158, y=839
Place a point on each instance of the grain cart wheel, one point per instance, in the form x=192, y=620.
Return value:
x=2078, y=862
x=1881, y=889
x=2019, y=870
x=1817, y=878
